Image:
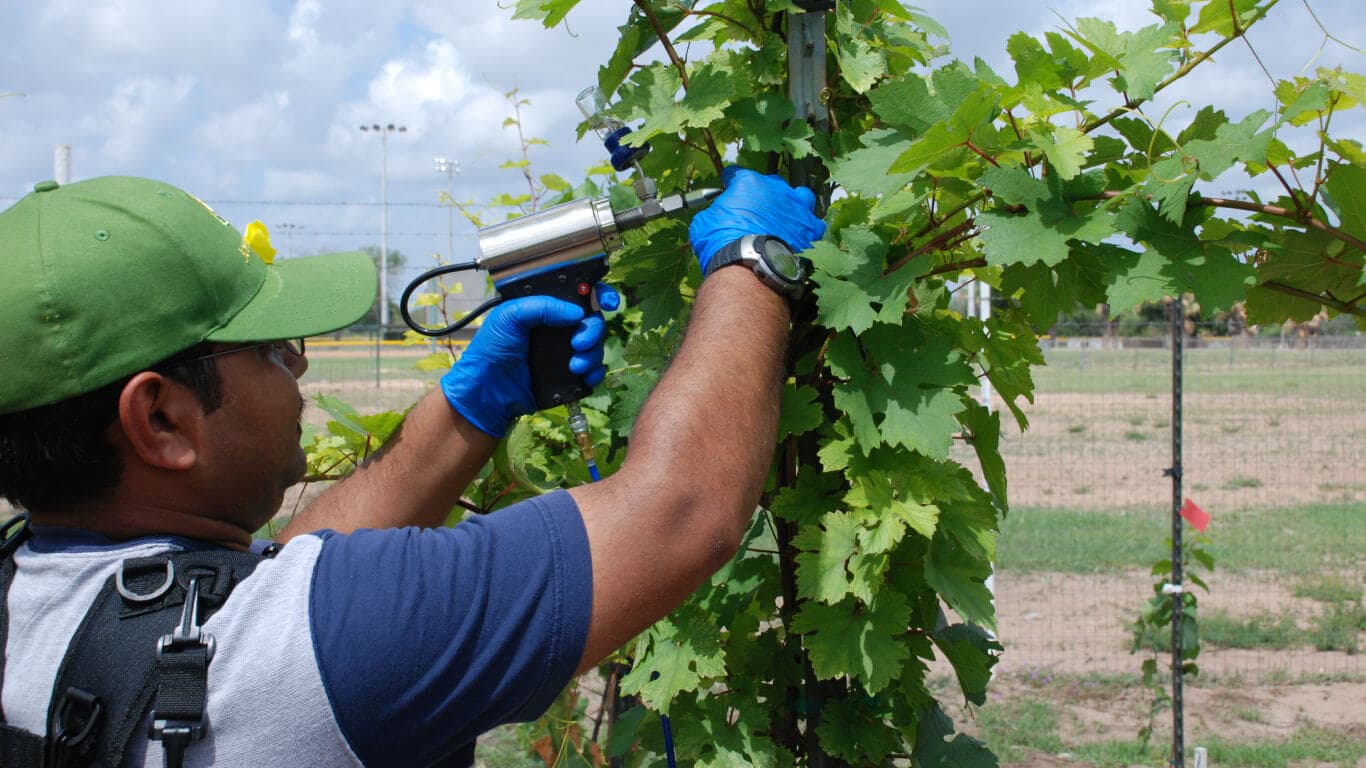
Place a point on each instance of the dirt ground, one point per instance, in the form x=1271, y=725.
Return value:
x=1240, y=695
x=1106, y=451
x=1043, y=634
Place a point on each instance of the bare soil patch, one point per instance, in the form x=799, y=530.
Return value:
x=1107, y=451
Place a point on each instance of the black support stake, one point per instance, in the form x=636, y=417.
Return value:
x=807, y=79
x=1175, y=587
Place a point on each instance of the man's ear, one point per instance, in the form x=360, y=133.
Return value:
x=162, y=421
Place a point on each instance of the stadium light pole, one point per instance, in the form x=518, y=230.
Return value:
x=450, y=168
x=384, y=131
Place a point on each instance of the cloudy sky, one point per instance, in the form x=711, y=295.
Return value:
x=254, y=105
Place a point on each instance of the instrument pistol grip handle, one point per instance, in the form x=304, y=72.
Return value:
x=552, y=383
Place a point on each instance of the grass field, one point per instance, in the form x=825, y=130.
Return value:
x=1298, y=541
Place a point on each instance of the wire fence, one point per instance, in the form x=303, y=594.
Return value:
x=1275, y=451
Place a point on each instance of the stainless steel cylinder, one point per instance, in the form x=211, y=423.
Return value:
x=567, y=232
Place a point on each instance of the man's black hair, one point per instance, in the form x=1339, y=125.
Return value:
x=57, y=455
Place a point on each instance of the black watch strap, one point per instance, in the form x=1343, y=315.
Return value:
x=754, y=251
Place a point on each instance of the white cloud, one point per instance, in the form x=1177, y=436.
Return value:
x=303, y=23
x=248, y=132
x=138, y=115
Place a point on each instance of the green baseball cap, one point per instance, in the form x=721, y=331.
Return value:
x=102, y=278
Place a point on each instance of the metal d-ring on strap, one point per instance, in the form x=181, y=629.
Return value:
x=134, y=597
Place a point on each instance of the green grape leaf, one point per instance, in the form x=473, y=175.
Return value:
x=1176, y=11
x=767, y=126
x=1142, y=137
x=842, y=304
x=807, y=502
x=1224, y=18
x=675, y=659
x=1169, y=185
x=1302, y=100
x=548, y=12
x=1066, y=149
x=960, y=579
x=860, y=65
x=1232, y=142
x=1311, y=261
x=1011, y=239
x=520, y=457
x=1346, y=188
x=624, y=731
x=984, y=431
x=856, y=732
x=801, y=411
x=1143, y=58
x=1177, y=261
x=921, y=518
x=934, y=749
x=972, y=653
x=864, y=171
x=1034, y=64
x=652, y=267
x=905, y=102
x=867, y=295
x=856, y=396
x=846, y=639
x=631, y=389
x=822, y=572
x=923, y=422
x=1014, y=186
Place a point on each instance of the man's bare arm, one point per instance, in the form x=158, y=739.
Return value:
x=679, y=506
x=415, y=480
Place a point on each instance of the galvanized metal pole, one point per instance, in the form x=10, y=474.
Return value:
x=806, y=84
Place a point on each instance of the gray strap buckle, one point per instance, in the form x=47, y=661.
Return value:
x=148, y=597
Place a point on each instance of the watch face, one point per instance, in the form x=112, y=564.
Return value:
x=781, y=259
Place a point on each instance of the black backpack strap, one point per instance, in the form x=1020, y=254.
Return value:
x=18, y=748
x=13, y=533
x=141, y=642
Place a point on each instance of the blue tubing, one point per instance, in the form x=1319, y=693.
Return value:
x=668, y=741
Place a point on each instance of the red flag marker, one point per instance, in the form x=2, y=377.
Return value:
x=1197, y=517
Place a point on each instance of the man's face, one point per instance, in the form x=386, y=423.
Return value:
x=254, y=453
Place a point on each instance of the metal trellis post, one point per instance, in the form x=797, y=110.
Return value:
x=1174, y=586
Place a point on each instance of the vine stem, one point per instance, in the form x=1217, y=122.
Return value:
x=1270, y=210
x=1341, y=306
x=938, y=241
x=682, y=74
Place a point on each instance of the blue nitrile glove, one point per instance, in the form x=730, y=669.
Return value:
x=490, y=385
x=755, y=204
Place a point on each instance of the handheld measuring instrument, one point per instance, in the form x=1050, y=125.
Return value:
x=561, y=252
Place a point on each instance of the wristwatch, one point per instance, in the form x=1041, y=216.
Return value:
x=770, y=258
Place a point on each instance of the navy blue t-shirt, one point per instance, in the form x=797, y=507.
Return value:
x=443, y=634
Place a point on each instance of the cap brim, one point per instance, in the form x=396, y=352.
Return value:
x=305, y=297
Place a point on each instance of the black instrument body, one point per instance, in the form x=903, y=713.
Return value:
x=552, y=383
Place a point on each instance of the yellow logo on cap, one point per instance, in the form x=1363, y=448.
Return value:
x=257, y=241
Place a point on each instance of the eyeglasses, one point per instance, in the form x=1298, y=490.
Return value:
x=277, y=349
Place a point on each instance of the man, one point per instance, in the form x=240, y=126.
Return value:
x=148, y=405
